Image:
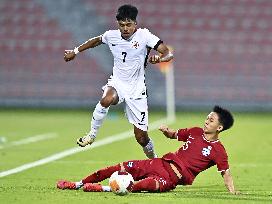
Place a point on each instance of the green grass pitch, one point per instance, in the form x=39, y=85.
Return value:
x=248, y=143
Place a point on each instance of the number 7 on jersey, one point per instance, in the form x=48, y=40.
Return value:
x=125, y=54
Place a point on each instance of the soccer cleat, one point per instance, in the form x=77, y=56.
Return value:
x=83, y=141
x=92, y=187
x=63, y=184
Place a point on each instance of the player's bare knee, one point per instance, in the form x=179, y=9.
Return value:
x=106, y=101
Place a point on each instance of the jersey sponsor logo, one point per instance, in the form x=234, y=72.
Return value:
x=113, y=44
x=130, y=164
x=206, y=151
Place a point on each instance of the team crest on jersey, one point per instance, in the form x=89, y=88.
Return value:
x=135, y=44
x=206, y=151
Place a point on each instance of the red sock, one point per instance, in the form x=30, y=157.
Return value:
x=101, y=174
x=147, y=184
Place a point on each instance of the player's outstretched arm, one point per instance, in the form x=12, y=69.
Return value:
x=166, y=55
x=170, y=133
x=93, y=42
x=229, y=182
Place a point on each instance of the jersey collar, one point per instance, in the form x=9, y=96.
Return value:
x=209, y=140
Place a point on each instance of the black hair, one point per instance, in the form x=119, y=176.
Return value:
x=127, y=12
x=225, y=117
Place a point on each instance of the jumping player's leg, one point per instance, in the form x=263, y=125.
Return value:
x=145, y=141
x=110, y=97
x=137, y=114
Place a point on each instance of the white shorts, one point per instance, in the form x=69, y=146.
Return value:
x=136, y=110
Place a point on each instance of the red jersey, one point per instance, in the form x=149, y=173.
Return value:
x=197, y=154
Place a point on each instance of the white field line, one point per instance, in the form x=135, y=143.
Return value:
x=68, y=152
x=28, y=140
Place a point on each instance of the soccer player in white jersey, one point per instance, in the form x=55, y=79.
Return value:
x=130, y=47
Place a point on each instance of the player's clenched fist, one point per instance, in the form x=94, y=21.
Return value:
x=69, y=55
x=155, y=59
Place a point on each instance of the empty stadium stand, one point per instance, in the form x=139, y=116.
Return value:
x=222, y=47
x=32, y=69
x=222, y=51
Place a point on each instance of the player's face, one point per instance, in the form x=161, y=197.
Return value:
x=212, y=124
x=127, y=28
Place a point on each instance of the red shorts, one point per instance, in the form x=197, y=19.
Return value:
x=157, y=168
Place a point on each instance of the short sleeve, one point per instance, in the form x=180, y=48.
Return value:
x=221, y=160
x=183, y=134
x=152, y=40
x=105, y=37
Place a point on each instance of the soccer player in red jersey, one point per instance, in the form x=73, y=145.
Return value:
x=200, y=151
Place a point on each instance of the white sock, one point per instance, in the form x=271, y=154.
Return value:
x=106, y=188
x=99, y=114
x=149, y=150
x=79, y=184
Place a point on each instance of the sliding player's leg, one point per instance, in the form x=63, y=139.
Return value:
x=137, y=168
x=90, y=182
x=149, y=175
x=147, y=184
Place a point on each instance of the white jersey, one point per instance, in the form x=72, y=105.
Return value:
x=129, y=59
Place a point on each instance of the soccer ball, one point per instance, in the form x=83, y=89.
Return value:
x=121, y=182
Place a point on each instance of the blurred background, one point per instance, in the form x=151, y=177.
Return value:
x=222, y=49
